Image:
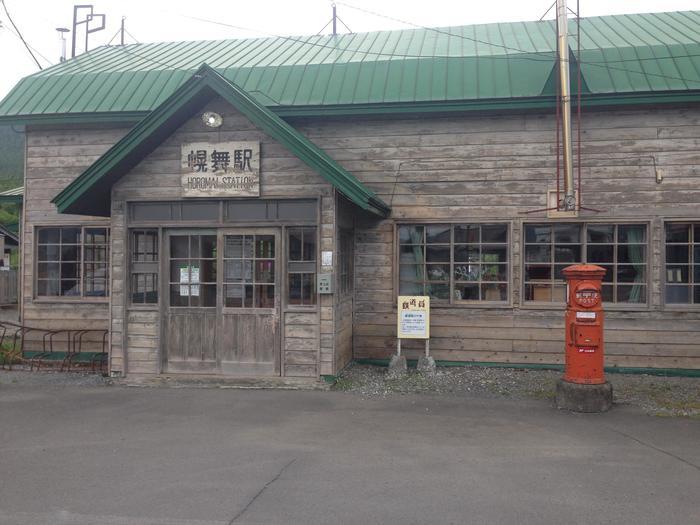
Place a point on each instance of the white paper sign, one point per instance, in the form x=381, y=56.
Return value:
x=327, y=258
x=194, y=274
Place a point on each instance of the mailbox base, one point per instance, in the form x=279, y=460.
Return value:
x=584, y=398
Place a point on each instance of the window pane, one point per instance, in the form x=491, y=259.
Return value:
x=677, y=232
x=48, y=287
x=630, y=274
x=600, y=233
x=207, y=271
x=309, y=244
x=538, y=272
x=49, y=252
x=467, y=272
x=265, y=246
x=467, y=253
x=490, y=253
x=96, y=235
x=677, y=274
x=49, y=235
x=410, y=288
x=493, y=292
x=179, y=295
x=538, y=292
x=410, y=234
x=468, y=233
x=437, y=253
x=208, y=246
x=494, y=272
x=609, y=273
x=559, y=293
x=179, y=246
x=233, y=296
x=48, y=270
x=601, y=253
x=538, y=233
x=308, y=283
x=678, y=254
x=631, y=233
x=678, y=294
x=264, y=296
x=633, y=253
x=70, y=235
x=437, y=233
x=493, y=233
x=70, y=270
x=412, y=272
x=70, y=252
x=538, y=253
x=264, y=271
x=567, y=233
x=567, y=253
x=438, y=291
x=233, y=246
x=438, y=272
x=631, y=294
x=608, y=294
x=207, y=294
x=295, y=243
x=70, y=287
x=466, y=292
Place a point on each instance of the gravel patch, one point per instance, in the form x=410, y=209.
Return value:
x=659, y=396
x=51, y=378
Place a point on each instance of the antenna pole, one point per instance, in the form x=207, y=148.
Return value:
x=122, y=31
x=565, y=87
x=335, y=30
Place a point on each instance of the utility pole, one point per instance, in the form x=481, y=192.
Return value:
x=122, y=31
x=565, y=90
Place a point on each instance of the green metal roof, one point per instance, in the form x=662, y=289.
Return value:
x=621, y=54
x=12, y=195
x=90, y=193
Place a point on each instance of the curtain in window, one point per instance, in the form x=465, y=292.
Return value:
x=418, y=255
x=636, y=253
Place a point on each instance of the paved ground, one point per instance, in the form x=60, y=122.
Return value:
x=155, y=456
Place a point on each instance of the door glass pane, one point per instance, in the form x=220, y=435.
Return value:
x=249, y=259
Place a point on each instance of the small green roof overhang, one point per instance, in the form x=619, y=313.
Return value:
x=14, y=195
x=90, y=193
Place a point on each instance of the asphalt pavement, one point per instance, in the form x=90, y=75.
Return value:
x=188, y=456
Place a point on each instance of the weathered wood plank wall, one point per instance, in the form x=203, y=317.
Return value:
x=54, y=158
x=307, y=334
x=480, y=168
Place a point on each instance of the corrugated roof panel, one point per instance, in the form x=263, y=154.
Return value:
x=620, y=54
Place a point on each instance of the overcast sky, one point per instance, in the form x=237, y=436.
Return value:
x=165, y=20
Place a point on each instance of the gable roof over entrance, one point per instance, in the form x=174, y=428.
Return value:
x=90, y=193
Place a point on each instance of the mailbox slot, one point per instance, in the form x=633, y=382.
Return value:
x=587, y=335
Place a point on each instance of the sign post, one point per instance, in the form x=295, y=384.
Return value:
x=413, y=322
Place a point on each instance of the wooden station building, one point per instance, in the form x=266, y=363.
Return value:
x=254, y=207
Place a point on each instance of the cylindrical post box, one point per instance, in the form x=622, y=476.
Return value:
x=584, y=324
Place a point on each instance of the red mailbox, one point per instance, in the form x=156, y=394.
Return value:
x=584, y=324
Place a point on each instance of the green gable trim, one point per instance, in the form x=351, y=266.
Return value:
x=89, y=194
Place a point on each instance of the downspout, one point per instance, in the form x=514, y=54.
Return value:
x=565, y=87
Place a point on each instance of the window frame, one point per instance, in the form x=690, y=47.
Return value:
x=285, y=267
x=82, y=298
x=140, y=270
x=678, y=307
x=452, y=302
x=543, y=305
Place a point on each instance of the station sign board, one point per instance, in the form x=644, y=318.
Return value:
x=220, y=169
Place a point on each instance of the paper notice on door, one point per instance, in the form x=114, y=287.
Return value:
x=184, y=275
x=184, y=291
x=194, y=290
x=194, y=275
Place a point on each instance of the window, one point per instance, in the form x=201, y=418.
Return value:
x=454, y=263
x=193, y=270
x=72, y=261
x=682, y=263
x=345, y=262
x=249, y=271
x=619, y=248
x=144, y=267
x=301, y=266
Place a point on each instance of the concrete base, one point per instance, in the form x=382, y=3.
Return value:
x=426, y=365
x=584, y=398
x=397, y=366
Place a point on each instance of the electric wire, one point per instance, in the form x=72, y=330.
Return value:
x=12, y=31
x=19, y=33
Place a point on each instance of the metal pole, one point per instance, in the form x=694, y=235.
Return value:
x=75, y=25
x=335, y=32
x=563, y=45
x=122, y=31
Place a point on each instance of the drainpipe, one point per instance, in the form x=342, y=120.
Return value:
x=565, y=87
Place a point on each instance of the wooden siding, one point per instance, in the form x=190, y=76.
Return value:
x=481, y=168
x=307, y=335
x=54, y=157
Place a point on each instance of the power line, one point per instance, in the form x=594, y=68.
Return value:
x=12, y=31
x=19, y=34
